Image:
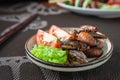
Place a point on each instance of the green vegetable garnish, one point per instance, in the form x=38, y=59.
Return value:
x=109, y=7
x=77, y=3
x=49, y=54
x=67, y=2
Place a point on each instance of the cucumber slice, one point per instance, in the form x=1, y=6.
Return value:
x=77, y=3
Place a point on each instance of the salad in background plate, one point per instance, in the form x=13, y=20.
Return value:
x=99, y=8
x=98, y=4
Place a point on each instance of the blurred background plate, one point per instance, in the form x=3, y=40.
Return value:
x=94, y=12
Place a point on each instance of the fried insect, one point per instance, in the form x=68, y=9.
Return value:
x=87, y=38
x=74, y=45
x=84, y=43
x=77, y=57
x=94, y=52
x=88, y=28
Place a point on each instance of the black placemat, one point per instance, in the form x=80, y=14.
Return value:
x=16, y=66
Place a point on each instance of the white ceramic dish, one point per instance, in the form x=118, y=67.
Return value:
x=94, y=12
x=107, y=52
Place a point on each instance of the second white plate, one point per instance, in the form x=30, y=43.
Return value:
x=94, y=12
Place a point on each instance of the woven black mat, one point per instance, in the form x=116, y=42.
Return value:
x=14, y=64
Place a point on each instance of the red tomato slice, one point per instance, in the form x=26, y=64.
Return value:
x=113, y=2
x=72, y=2
x=44, y=38
x=59, y=33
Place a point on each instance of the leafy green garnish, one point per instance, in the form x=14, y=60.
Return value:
x=67, y=2
x=50, y=54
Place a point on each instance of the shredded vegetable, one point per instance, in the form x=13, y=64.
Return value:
x=50, y=54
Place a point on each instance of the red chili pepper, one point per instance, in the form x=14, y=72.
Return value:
x=57, y=45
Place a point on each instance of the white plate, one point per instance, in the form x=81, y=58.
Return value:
x=107, y=53
x=94, y=12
